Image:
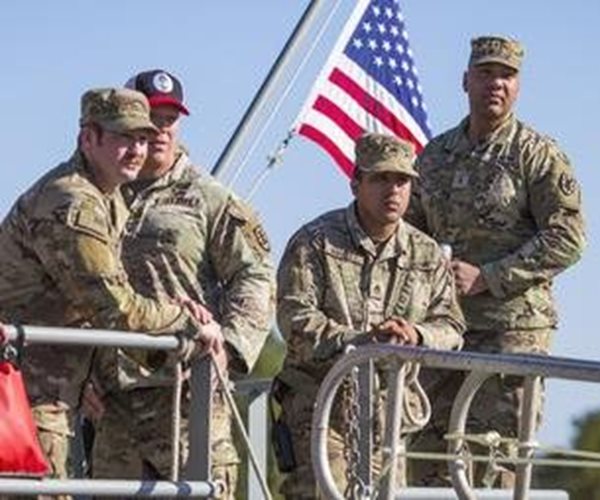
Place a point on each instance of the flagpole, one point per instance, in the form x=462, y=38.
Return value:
x=266, y=89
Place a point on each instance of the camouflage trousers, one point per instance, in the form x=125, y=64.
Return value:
x=300, y=484
x=133, y=438
x=54, y=434
x=496, y=406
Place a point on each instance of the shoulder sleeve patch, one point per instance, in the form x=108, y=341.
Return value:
x=91, y=218
x=565, y=185
x=252, y=229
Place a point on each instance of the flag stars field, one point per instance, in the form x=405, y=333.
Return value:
x=363, y=87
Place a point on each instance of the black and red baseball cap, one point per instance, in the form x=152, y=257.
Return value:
x=160, y=87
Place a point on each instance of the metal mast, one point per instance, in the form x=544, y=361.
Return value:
x=266, y=89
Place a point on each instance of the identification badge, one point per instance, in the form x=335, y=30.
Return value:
x=461, y=179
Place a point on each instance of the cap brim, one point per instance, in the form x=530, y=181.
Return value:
x=386, y=167
x=165, y=100
x=124, y=125
x=497, y=60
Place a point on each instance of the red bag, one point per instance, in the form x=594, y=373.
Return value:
x=20, y=452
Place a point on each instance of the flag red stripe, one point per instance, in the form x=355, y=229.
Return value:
x=328, y=145
x=373, y=106
x=339, y=116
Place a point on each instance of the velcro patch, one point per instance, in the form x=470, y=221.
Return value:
x=90, y=218
x=254, y=233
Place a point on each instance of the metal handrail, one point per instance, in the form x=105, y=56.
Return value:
x=481, y=366
x=110, y=488
x=198, y=470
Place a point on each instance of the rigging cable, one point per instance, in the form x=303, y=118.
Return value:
x=276, y=157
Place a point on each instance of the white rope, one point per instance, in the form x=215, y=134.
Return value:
x=554, y=462
x=490, y=438
x=414, y=420
x=493, y=439
x=176, y=421
x=280, y=101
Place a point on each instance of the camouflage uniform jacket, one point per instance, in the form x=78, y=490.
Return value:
x=333, y=284
x=509, y=204
x=60, y=266
x=188, y=236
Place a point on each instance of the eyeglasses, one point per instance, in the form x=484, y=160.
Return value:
x=164, y=120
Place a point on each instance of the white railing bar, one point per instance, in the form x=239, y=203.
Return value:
x=109, y=487
x=481, y=365
x=393, y=424
x=508, y=364
x=198, y=468
x=92, y=337
x=531, y=407
x=456, y=425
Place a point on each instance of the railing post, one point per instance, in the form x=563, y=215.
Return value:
x=458, y=425
x=393, y=423
x=199, y=461
x=529, y=414
x=257, y=431
x=365, y=419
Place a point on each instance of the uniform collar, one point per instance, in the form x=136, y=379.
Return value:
x=457, y=139
x=177, y=171
x=393, y=247
x=181, y=169
x=80, y=165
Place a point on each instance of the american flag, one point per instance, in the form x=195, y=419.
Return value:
x=369, y=84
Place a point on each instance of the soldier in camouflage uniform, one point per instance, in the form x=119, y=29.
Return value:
x=60, y=262
x=353, y=275
x=188, y=237
x=505, y=198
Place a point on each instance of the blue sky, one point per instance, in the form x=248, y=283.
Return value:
x=51, y=52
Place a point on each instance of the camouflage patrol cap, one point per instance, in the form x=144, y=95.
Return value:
x=385, y=153
x=116, y=110
x=496, y=49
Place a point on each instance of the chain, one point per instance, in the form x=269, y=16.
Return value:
x=351, y=408
x=378, y=402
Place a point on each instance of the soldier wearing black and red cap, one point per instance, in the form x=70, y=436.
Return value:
x=161, y=89
x=188, y=238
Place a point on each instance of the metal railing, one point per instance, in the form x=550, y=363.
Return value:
x=197, y=481
x=481, y=366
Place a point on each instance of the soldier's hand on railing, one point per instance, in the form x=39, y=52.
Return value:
x=200, y=313
x=210, y=337
x=396, y=331
x=92, y=406
x=207, y=339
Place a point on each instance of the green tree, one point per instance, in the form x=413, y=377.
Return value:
x=582, y=484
